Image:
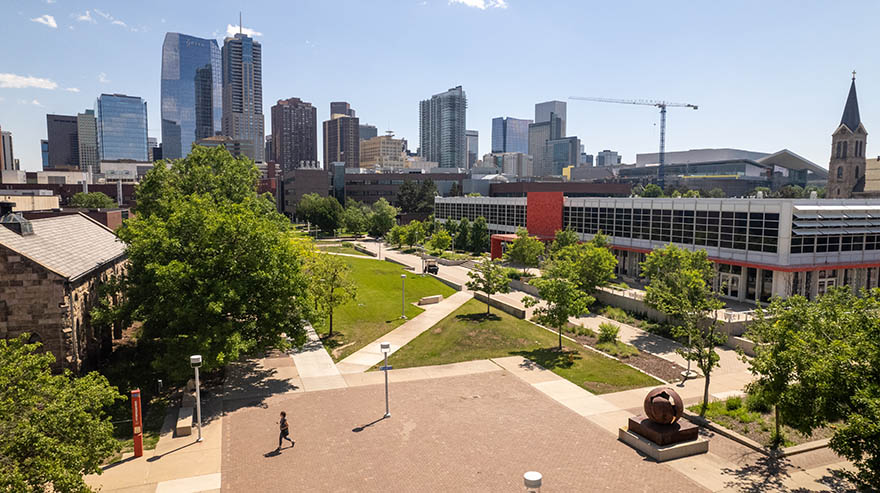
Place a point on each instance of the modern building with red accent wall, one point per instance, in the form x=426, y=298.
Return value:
x=760, y=247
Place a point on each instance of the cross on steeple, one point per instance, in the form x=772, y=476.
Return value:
x=854, y=75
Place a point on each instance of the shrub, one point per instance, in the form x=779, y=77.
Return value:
x=348, y=244
x=514, y=274
x=608, y=332
x=756, y=405
x=733, y=403
x=618, y=314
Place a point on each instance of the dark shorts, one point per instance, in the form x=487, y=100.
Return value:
x=285, y=433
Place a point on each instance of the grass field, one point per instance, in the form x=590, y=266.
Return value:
x=376, y=310
x=341, y=249
x=468, y=334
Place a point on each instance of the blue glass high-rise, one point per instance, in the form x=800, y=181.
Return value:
x=122, y=127
x=192, y=94
x=510, y=135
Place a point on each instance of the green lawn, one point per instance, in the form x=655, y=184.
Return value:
x=341, y=249
x=467, y=334
x=376, y=310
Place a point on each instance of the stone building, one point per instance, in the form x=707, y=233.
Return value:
x=50, y=272
x=846, y=170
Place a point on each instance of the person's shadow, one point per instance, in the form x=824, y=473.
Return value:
x=276, y=452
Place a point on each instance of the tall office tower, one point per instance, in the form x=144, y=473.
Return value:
x=539, y=134
x=152, y=145
x=383, y=152
x=342, y=141
x=44, y=153
x=270, y=150
x=473, y=146
x=295, y=134
x=341, y=108
x=122, y=128
x=368, y=132
x=510, y=135
x=61, y=132
x=87, y=138
x=607, y=158
x=7, y=158
x=442, y=124
x=243, y=94
x=561, y=153
x=544, y=110
x=192, y=92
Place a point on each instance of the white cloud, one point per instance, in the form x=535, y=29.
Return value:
x=482, y=4
x=102, y=78
x=72, y=89
x=36, y=103
x=47, y=20
x=86, y=17
x=33, y=102
x=50, y=1
x=117, y=22
x=104, y=14
x=233, y=30
x=13, y=81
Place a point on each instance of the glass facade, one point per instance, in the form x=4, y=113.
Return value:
x=242, y=79
x=122, y=127
x=510, y=135
x=191, y=92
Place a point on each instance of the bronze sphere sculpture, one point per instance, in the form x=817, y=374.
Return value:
x=663, y=405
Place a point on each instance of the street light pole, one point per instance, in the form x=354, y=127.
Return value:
x=196, y=361
x=386, y=347
x=403, y=296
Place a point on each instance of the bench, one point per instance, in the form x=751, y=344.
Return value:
x=184, y=422
x=430, y=300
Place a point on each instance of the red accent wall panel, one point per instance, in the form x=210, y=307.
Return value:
x=544, y=213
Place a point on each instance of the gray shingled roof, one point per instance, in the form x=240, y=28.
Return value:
x=850, y=116
x=70, y=245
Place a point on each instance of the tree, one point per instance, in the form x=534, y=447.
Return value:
x=563, y=300
x=817, y=362
x=429, y=224
x=463, y=235
x=652, y=190
x=479, y=235
x=92, y=200
x=455, y=190
x=332, y=285
x=790, y=192
x=691, y=194
x=355, y=217
x=488, y=276
x=414, y=233
x=441, y=240
x=53, y=428
x=716, y=193
x=563, y=238
x=766, y=191
x=323, y=212
x=525, y=250
x=589, y=265
x=397, y=235
x=215, y=271
x=417, y=197
x=680, y=285
x=382, y=218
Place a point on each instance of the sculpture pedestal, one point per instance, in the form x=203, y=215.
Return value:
x=680, y=431
x=663, y=442
x=664, y=452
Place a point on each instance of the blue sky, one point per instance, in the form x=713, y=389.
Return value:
x=767, y=75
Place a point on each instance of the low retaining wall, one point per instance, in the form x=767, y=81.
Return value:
x=363, y=250
x=504, y=307
x=524, y=287
x=454, y=285
x=399, y=263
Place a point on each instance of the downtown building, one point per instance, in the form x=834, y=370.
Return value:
x=295, y=134
x=510, y=135
x=383, y=152
x=442, y=128
x=121, y=127
x=63, y=140
x=7, y=158
x=87, y=141
x=342, y=137
x=473, y=147
x=242, y=65
x=191, y=92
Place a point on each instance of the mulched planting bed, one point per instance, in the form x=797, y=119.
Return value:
x=647, y=362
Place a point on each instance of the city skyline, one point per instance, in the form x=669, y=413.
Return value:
x=59, y=70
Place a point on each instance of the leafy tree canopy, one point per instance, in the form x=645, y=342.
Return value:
x=478, y=238
x=382, y=218
x=92, y=200
x=417, y=197
x=53, y=429
x=488, y=277
x=589, y=265
x=652, y=190
x=324, y=212
x=525, y=250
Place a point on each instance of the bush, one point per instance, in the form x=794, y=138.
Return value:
x=348, y=244
x=756, y=405
x=733, y=403
x=513, y=274
x=618, y=314
x=608, y=332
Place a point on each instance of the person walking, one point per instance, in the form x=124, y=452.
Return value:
x=285, y=431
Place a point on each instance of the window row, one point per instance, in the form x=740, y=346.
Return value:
x=507, y=215
x=834, y=243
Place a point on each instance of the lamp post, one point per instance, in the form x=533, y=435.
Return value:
x=532, y=481
x=386, y=348
x=403, y=296
x=196, y=361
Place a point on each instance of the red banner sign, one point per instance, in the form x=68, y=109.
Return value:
x=137, y=423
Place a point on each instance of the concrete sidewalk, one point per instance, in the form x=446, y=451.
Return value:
x=364, y=358
x=314, y=366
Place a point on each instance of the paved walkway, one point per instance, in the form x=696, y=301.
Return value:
x=315, y=367
x=366, y=357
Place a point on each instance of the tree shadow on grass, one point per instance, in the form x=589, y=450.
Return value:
x=334, y=341
x=551, y=358
x=766, y=473
x=479, y=317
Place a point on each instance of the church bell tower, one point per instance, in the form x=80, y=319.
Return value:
x=846, y=170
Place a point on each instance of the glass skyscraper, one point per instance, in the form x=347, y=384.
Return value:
x=242, y=65
x=122, y=127
x=510, y=135
x=192, y=92
x=442, y=124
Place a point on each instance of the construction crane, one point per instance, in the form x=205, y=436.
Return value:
x=648, y=102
